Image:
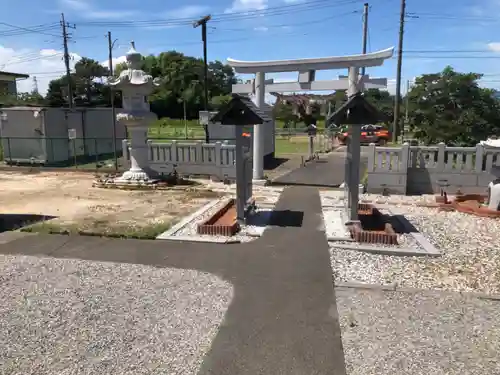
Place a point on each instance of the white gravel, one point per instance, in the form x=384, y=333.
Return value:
x=470, y=258
x=72, y=316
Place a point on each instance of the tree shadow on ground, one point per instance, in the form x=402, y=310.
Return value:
x=10, y=222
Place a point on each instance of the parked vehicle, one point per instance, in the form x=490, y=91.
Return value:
x=369, y=134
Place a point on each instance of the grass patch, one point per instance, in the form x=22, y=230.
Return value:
x=291, y=145
x=101, y=228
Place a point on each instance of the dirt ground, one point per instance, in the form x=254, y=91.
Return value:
x=72, y=200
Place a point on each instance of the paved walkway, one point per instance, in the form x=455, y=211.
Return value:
x=326, y=172
x=283, y=318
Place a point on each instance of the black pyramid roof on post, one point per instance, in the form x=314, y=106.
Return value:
x=356, y=111
x=240, y=111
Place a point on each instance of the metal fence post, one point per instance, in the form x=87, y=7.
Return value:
x=74, y=153
x=96, y=152
x=10, y=153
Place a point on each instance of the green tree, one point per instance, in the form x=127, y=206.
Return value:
x=450, y=107
x=381, y=100
x=86, y=83
x=216, y=102
x=181, y=89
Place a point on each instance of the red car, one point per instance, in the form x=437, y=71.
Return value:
x=370, y=134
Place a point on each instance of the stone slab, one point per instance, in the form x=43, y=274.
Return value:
x=380, y=250
x=167, y=235
x=334, y=225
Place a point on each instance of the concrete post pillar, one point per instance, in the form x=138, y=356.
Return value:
x=354, y=153
x=139, y=149
x=258, y=132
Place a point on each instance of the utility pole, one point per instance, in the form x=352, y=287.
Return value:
x=65, y=26
x=112, y=96
x=203, y=23
x=365, y=33
x=35, y=86
x=397, y=99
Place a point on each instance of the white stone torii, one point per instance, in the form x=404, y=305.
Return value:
x=306, y=82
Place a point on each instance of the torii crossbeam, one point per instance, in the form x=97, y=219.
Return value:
x=306, y=82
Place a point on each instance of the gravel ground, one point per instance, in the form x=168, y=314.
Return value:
x=470, y=248
x=388, y=333
x=72, y=316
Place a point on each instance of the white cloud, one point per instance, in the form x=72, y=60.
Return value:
x=45, y=64
x=116, y=61
x=294, y=1
x=187, y=11
x=247, y=5
x=261, y=28
x=494, y=46
x=87, y=10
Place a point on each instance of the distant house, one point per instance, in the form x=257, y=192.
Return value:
x=8, y=82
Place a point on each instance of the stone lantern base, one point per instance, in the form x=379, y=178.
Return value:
x=135, y=177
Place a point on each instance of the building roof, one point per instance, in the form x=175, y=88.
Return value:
x=16, y=75
x=356, y=111
x=240, y=111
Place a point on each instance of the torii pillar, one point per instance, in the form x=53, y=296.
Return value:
x=258, y=131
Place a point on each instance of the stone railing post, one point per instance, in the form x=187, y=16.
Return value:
x=441, y=156
x=405, y=157
x=218, y=147
x=173, y=152
x=372, y=150
x=479, y=158
x=125, y=150
x=199, y=152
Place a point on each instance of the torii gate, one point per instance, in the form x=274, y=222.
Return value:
x=307, y=68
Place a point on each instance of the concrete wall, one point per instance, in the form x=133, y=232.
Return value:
x=190, y=158
x=47, y=134
x=423, y=170
x=219, y=133
x=23, y=135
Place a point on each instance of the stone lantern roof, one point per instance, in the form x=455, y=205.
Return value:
x=240, y=111
x=134, y=75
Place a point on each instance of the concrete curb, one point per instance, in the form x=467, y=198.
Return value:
x=394, y=288
x=188, y=219
x=394, y=251
x=225, y=241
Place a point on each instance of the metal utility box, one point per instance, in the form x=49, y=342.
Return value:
x=55, y=135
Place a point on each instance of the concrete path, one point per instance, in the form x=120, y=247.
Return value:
x=326, y=172
x=283, y=317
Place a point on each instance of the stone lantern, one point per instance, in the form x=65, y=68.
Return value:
x=135, y=86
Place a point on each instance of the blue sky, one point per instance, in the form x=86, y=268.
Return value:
x=284, y=29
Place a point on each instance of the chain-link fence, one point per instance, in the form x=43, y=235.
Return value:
x=106, y=154
x=83, y=153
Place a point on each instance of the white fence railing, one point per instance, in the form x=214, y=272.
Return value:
x=416, y=169
x=190, y=158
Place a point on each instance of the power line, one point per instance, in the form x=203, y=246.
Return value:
x=306, y=23
x=398, y=71
x=65, y=35
x=18, y=30
x=365, y=34
x=111, y=44
x=203, y=23
x=226, y=17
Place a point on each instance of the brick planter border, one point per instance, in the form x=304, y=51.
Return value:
x=208, y=226
x=386, y=237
